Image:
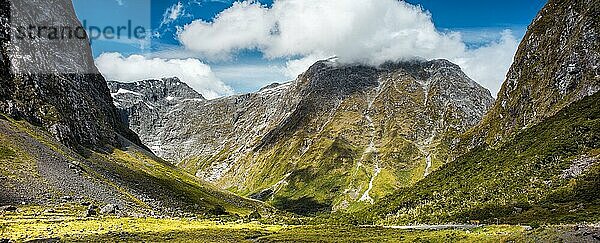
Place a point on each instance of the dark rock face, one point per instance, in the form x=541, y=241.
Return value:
x=557, y=63
x=91, y=211
x=54, y=83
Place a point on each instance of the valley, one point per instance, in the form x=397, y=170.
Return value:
x=409, y=150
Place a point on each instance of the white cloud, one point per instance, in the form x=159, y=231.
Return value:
x=172, y=13
x=120, y=2
x=489, y=64
x=364, y=31
x=242, y=26
x=250, y=77
x=297, y=66
x=135, y=67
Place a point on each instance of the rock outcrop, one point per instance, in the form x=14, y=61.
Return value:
x=145, y=107
x=557, y=63
x=53, y=82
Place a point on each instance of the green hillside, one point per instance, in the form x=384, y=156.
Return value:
x=37, y=170
x=548, y=173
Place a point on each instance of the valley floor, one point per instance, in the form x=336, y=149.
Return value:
x=42, y=225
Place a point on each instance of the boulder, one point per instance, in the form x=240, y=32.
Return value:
x=109, y=209
x=91, y=211
x=50, y=210
x=8, y=208
x=254, y=215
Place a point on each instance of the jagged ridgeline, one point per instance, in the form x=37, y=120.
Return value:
x=338, y=137
x=535, y=157
x=61, y=139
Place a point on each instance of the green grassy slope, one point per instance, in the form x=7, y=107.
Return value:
x=37, y=170
x=369, y=144
x=547, y=173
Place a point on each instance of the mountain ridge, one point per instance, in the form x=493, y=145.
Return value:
x=243, y=131
x=556, y=64
x=534, y=156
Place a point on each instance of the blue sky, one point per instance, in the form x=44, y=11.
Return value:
x=251, y=66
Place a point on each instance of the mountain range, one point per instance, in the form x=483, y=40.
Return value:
x=62, y=140
x=342, y=136
x=403, y=142
x=337, y=135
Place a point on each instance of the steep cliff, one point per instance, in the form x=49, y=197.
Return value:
x=62, y=143
x=145, y=106
x=557, y=63
x=535, y=157
x=53, y=82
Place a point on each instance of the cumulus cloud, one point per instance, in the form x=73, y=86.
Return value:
x=363, y=31
x=196, y=74
x=242, y=26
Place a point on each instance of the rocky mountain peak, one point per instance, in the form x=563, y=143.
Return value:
x=145, y=105
x=356, y=120
x=54, y=83
x=156, y=89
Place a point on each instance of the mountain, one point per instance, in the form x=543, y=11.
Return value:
x=62, y=142
x=54, y=83
x=534, y=158
x=557, y=63
x=145, y=105
x=546, y=174
x=39, y=170
x=338, y=135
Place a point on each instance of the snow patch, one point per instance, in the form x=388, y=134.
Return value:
x=125, y=91
x=276, y=89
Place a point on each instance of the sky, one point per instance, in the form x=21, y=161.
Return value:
x=224, y=47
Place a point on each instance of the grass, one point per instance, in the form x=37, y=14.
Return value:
x=65, y=225
x=16, y=163
x=132, y=229
x=381, y=234
x=6, y=153
x=139, y=177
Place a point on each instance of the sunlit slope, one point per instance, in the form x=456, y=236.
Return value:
x=547, y=173
x=38, y=170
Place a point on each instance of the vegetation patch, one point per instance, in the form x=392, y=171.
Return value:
x=6, y=153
